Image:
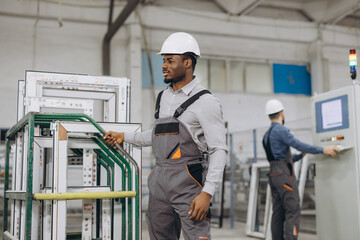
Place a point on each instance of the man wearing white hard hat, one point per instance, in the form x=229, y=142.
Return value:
x=284, y=187
x=189, y=145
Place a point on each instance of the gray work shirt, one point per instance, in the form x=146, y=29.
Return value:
x=203, y=119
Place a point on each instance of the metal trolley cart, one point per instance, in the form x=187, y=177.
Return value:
x=39, y=202
x=61, y=166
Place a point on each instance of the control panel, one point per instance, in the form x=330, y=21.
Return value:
x=335, y=120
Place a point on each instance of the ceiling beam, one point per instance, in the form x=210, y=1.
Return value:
x=221, y=7
x=330, y=11
x=291, y=6
x=251, y=7
x=294, y=5
x=336, y=17
x=113, y=27
x=235, y=7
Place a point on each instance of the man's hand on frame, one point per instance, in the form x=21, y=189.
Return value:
x=112, y=137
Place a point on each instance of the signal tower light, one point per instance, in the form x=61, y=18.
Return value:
x=352, y=63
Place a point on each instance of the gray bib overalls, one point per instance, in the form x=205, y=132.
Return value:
x=285, y=195
x=177, y=178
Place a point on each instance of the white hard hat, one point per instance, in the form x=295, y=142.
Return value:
x=273, y=106
x=180, y=43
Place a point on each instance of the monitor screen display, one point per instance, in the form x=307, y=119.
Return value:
x=332, y=114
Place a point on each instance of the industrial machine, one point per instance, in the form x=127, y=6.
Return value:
x=336, y=118
x=61, y=164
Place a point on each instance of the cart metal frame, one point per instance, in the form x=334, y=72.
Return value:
x=27, y=125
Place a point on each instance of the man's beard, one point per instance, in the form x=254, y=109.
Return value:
x=174, y=80
x=283, y=121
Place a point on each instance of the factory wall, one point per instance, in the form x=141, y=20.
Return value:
x=76, y=47
x=31, y=41
x=325, y=52
x=73, y=48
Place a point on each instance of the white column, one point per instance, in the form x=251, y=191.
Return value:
x=316, y=63
x=135, y=75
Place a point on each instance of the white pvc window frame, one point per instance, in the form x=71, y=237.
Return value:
x=114, y=91
x=253, y=197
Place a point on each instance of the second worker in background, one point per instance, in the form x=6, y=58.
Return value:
x=284, y=187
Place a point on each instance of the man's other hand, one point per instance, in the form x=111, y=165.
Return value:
x=112, y=137
x=331, y=151
x=200, y=206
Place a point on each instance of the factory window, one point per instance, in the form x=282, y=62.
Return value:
x=217, y=75
x=202, y=72
x=258, y=78
x=156, y=62
x=236, y=76
x=291, y=79
x=212, y=74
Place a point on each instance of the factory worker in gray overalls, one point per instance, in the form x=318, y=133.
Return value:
x=189, y=127
x=284, y=187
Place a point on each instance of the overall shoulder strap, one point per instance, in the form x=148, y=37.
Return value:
x=157, y=105
x=188, y=102
x=267, y=147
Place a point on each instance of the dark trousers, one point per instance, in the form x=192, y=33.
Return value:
x=286, y=207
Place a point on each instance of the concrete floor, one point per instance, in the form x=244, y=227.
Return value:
x=225, y=233
x=238, y=233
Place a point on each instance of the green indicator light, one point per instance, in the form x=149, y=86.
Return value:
x=353, y=63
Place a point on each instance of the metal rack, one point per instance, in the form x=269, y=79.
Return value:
x=59, y=156
x=43, y=194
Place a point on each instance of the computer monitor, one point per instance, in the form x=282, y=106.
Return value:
x=332, y=114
